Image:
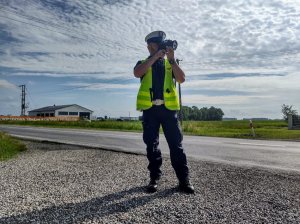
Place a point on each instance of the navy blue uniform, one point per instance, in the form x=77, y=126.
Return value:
x=160, y=115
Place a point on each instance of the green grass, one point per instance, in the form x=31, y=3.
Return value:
x=232, y=129
x=107, y=125
x=241, y=129
x=9, y=147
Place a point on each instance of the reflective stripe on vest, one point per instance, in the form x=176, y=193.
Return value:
x=144, y=97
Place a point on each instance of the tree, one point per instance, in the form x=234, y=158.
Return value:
x=203, y=114
x=195, y=114
x=186, y=111
x=215, y=114
x=286, y=110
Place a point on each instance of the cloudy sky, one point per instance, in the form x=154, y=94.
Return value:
x=241, y=56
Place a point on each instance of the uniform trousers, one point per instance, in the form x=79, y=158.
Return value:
x=152, y=119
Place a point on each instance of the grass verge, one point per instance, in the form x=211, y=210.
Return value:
x=9, y=147
x=276, y=130
x=233, y=129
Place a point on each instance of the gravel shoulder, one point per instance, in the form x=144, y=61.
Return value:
x=56, y=183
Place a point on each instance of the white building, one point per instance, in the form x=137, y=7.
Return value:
x=73, y=110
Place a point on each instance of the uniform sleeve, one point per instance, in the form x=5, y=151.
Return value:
x=138, y=63
x=173, y=76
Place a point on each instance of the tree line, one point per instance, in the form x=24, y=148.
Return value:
x=216, y=114
x=202, y=114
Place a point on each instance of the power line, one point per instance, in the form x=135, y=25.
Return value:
x=30, y=97
x=35, y=19
x=70, y=31
x=55, y=25
x=265, y=56
x=59, y=27
x=47, y=23
x=41, y=27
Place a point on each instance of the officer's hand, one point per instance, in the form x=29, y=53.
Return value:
x=170, y=53
x=160, y=54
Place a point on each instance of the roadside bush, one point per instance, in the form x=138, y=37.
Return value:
x=9, y=147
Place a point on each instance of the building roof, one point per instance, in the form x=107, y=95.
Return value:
x=54, y=107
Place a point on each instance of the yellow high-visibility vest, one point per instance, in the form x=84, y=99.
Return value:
x=144, y=98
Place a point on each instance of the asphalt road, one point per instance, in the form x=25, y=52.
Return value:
x=284, y=155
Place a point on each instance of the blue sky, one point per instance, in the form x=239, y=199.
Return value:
x=241, y=56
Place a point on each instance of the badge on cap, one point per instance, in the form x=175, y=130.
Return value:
x=155, y=36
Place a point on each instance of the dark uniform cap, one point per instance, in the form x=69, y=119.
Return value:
x=155, y=36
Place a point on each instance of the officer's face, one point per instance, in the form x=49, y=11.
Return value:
x=152, y=48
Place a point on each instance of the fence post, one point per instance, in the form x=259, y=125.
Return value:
x=252, y=128
x=290, y=121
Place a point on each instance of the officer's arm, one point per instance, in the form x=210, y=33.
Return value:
x=142, y=68
x=178, y=73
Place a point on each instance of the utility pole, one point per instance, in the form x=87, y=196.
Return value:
x=180, y=102
x=23, y=100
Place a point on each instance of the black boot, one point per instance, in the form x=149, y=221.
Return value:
x=152, y=186
x=186, y=187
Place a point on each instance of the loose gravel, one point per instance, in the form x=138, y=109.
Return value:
x=55, y=183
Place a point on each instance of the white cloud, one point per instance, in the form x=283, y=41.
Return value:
x=251, y=84
x=9, y=98
x=214, y=37
x=221, y=100
x=7, y=85
x=110, y=36
x=104, y=86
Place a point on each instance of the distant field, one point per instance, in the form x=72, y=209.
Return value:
x=232, y=129
x=241, y=129
x=9, y=147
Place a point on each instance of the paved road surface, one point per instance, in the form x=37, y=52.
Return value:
x=271, y=154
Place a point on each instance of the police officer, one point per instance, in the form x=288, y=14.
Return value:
x=158, y=99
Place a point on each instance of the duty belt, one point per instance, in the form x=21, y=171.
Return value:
x=158, y=102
